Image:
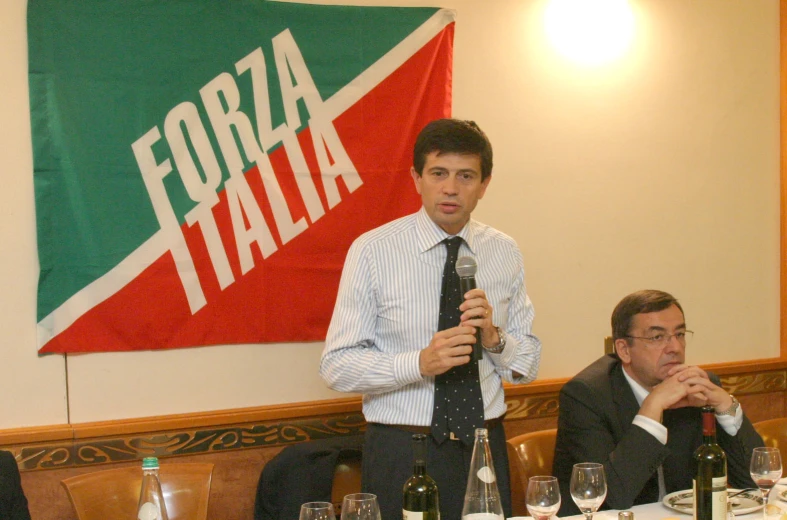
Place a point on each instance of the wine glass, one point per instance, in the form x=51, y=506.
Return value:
x=542, y=497
x=588, y=487
x=360, y=506
x=766, y=470
x=317, y=511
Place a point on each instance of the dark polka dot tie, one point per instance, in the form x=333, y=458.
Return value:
x=458, y=404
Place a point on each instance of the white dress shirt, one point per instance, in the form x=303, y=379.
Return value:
x=387, y=312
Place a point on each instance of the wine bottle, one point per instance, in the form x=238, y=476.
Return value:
x=710, y=481
x=420, y=500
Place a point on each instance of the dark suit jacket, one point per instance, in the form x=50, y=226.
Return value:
x=597, y=408
x=301, y=473
x=13, y=504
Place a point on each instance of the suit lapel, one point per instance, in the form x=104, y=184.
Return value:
x=625, y=402
x=627, y=408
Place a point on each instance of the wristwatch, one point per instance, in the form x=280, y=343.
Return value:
x=733, y=409
x=497, y=349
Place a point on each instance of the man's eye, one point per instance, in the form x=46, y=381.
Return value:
x=680, y=335
x=658, y=337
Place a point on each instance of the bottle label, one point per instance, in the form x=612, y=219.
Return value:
x=412, y=515
x=486, y=475
x=718, y=498
x=148, y=511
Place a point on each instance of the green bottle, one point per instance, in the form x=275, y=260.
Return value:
x=420, y=500
x=710, y=481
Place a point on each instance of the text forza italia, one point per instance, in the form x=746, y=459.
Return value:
x=184, y=119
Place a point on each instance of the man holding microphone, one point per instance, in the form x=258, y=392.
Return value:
x=402, y=332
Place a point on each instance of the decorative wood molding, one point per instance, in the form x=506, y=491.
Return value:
x=68, y=446
x=532, y=407
x=755, y=383
x=186, y=442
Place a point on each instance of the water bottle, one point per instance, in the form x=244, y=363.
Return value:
x=482, y=498
x=151, y=500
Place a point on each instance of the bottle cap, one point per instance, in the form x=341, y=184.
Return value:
x=626, y=515
x=150, y=463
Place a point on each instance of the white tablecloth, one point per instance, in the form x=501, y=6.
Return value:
x=658, y=511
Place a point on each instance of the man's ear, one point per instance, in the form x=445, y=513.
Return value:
x=622, y=348
x=416, y=179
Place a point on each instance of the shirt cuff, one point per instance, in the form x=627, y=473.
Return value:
x=407, y=368
x=731, y=423
x=655, y=428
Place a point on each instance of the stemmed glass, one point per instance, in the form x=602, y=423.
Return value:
x=317, y=511
x=766, y=470
x=588, y=487
x=542, y=497
x=360, y=506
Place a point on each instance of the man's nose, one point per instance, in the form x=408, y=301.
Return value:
x=450, y=185
x=673, y=344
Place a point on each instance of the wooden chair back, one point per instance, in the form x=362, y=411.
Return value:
x=774, y=434
x=529, y=454
x=114, y=493
x=346, y=480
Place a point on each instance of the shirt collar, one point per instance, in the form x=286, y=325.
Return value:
x=639, y=391
x=430, y=234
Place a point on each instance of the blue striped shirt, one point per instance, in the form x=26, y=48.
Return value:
x=387, y=311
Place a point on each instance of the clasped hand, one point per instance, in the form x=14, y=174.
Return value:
x=686, y=386
x=453, y=347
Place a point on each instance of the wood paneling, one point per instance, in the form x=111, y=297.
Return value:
x=530, y=407
x=241, y=449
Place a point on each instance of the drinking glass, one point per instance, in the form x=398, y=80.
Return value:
x=317, y=511
x=542, y=497
x=588, y=487
x=766, y=470
x=360, y=506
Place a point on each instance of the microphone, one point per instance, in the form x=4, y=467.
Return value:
x=466, y=268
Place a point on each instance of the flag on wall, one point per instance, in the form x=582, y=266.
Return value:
x=201, y=167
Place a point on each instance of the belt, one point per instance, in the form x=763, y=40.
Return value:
x=426, y=430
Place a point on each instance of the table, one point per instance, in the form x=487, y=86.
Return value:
x=658, y=511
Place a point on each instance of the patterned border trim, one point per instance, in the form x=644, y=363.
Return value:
x=532, y=407
x=193, y=442
x=105, y=450
x=760, y=383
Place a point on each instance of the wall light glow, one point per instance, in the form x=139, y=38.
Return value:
x=590, y=32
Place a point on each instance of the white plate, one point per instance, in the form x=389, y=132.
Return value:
x=683, y=501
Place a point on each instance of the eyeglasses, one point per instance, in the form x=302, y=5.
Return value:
x=660, y=341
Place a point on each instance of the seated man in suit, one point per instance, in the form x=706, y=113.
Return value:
x=637, y=411
x=13, y=504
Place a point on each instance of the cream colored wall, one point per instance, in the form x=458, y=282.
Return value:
x=658, y=171
x=32, y=389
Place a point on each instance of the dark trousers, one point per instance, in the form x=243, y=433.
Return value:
x=388, y=463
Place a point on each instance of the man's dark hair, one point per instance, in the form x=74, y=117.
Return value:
x=636, y=303
x=453, y=136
